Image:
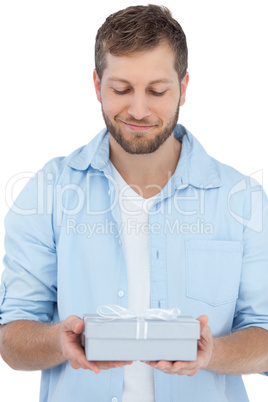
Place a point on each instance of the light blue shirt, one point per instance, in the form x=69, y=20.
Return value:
x=208, y=255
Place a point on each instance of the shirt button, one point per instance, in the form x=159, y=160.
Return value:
x=109, y=192
x=114, y=400
x=121, y=294
x=50, y=176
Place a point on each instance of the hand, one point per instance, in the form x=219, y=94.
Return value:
x=204, y=353
x=71, y=348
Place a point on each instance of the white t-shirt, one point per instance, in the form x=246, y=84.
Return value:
x=138, y=377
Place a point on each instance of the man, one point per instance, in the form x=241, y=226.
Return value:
x=140, y=217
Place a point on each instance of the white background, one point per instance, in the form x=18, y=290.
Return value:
x=48, y=106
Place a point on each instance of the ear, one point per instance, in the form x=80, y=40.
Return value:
x=184, y=84
x=97, y=85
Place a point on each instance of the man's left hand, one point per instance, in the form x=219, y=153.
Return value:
x=204, y=353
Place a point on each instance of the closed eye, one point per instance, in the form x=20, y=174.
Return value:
x=121, y=92
x=154, y=93
x=126, y=91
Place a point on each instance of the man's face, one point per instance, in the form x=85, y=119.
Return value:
x=140, y=96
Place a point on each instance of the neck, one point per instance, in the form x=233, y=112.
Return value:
x=147, y=174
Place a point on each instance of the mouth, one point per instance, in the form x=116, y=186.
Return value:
x=137, y=127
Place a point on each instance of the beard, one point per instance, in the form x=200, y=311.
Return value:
x=139, y=144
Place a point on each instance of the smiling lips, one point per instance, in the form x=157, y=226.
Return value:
x=135, y=127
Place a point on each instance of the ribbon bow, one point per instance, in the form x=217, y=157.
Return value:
x=113, y=311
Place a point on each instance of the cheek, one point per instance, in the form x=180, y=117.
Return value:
x=112, y=105
x=166, y=110
x=167, y=106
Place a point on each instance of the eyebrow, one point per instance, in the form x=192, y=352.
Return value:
x=159, y=81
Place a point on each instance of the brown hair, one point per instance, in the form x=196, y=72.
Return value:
x=139, y=28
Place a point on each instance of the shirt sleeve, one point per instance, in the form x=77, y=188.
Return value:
x=252, y=302
x=29, y=281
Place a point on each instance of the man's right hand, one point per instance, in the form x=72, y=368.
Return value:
x=71, y=348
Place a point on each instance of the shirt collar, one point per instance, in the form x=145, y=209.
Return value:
x=195, y=166
x=95, y=153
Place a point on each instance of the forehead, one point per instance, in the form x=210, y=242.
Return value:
x=151, y=65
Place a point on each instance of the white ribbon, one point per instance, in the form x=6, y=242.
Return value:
x=113, y=311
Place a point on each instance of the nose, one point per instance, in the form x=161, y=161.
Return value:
x=138, y=107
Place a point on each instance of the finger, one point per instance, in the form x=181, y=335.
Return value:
x=151, y=363
x=95, y=366
x=78, y=327
x=164, y=365
x=189, y=371
x=77, y=358
x=123, y=363
x=203, y=322
x=73, y=324
x=106, y=365
x=80, y=361
x=188, y=366
x=77, y=364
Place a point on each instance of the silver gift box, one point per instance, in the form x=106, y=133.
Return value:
x=124, y=339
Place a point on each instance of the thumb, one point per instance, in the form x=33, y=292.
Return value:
x=78, y=326
x=203, y=322
x=74, y=324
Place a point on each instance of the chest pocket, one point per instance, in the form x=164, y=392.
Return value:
x=213, y=269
